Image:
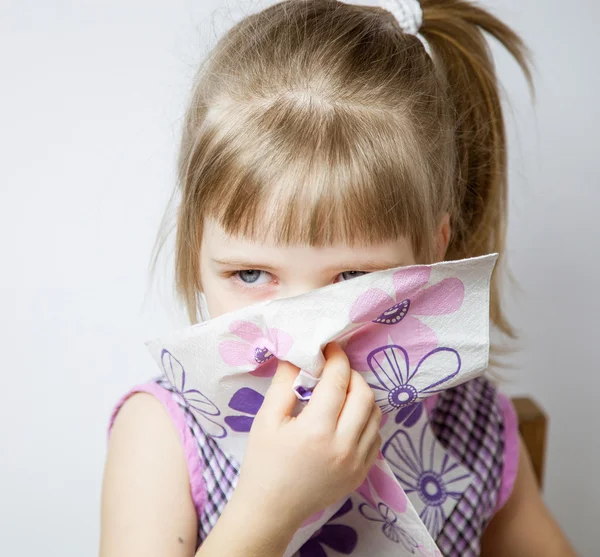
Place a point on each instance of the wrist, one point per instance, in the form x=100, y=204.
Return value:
x=271, y=526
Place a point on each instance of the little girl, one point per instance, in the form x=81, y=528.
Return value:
x=323, y=141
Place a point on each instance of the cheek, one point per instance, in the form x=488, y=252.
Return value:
x=220, y=299
x=220, y=305
x=213, y=295
x=216, y=302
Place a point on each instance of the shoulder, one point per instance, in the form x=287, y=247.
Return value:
x=147, y=507
x=141, y=416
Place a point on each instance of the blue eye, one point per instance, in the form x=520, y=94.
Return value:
x=250, y=276
x=347, y=275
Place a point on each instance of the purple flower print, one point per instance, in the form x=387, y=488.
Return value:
x=397, y=318
x=398, y=388
x=339, y=537
x=432, y=479
x=194, y=399
x=248, y=401
x=257, y=350
x=391, y=530
x=409, y=415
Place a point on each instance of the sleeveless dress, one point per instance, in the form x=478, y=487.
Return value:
x=474, y=422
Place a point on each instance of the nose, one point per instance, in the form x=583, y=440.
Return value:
x=300, y=288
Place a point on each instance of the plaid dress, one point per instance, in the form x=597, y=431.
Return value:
x=473, y=422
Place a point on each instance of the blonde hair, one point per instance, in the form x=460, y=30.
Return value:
x=316, y=121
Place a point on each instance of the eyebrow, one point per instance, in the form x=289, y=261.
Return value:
x=365, y=265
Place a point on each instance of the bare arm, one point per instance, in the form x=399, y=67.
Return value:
x=293, y=467
x=147, y=509
x=524, y=527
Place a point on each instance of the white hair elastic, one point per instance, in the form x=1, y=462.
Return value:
x=409, y=15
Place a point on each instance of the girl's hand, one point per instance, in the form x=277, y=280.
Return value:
x=296, y=466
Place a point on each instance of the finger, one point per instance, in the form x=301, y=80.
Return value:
x=371, y=431
x=357, y=410
x=329, y=395
x=280, y=398
x=373, y=451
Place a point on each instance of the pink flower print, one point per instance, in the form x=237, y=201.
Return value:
x=396, y=319
x=386, y=487
x=257, y=350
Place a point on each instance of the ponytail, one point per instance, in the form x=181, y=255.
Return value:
x=455, y=30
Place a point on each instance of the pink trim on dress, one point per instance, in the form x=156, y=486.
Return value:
x=511, y=451
x=190, y=446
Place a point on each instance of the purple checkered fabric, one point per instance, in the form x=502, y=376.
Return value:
x=219, y=470
x=468, y=422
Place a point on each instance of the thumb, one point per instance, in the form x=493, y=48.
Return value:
x=280, y=398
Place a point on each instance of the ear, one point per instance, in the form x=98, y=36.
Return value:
x=442, y=237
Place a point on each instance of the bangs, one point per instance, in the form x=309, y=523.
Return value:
x=306, y=175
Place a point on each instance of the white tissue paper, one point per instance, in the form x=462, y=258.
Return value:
x=411, y=331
